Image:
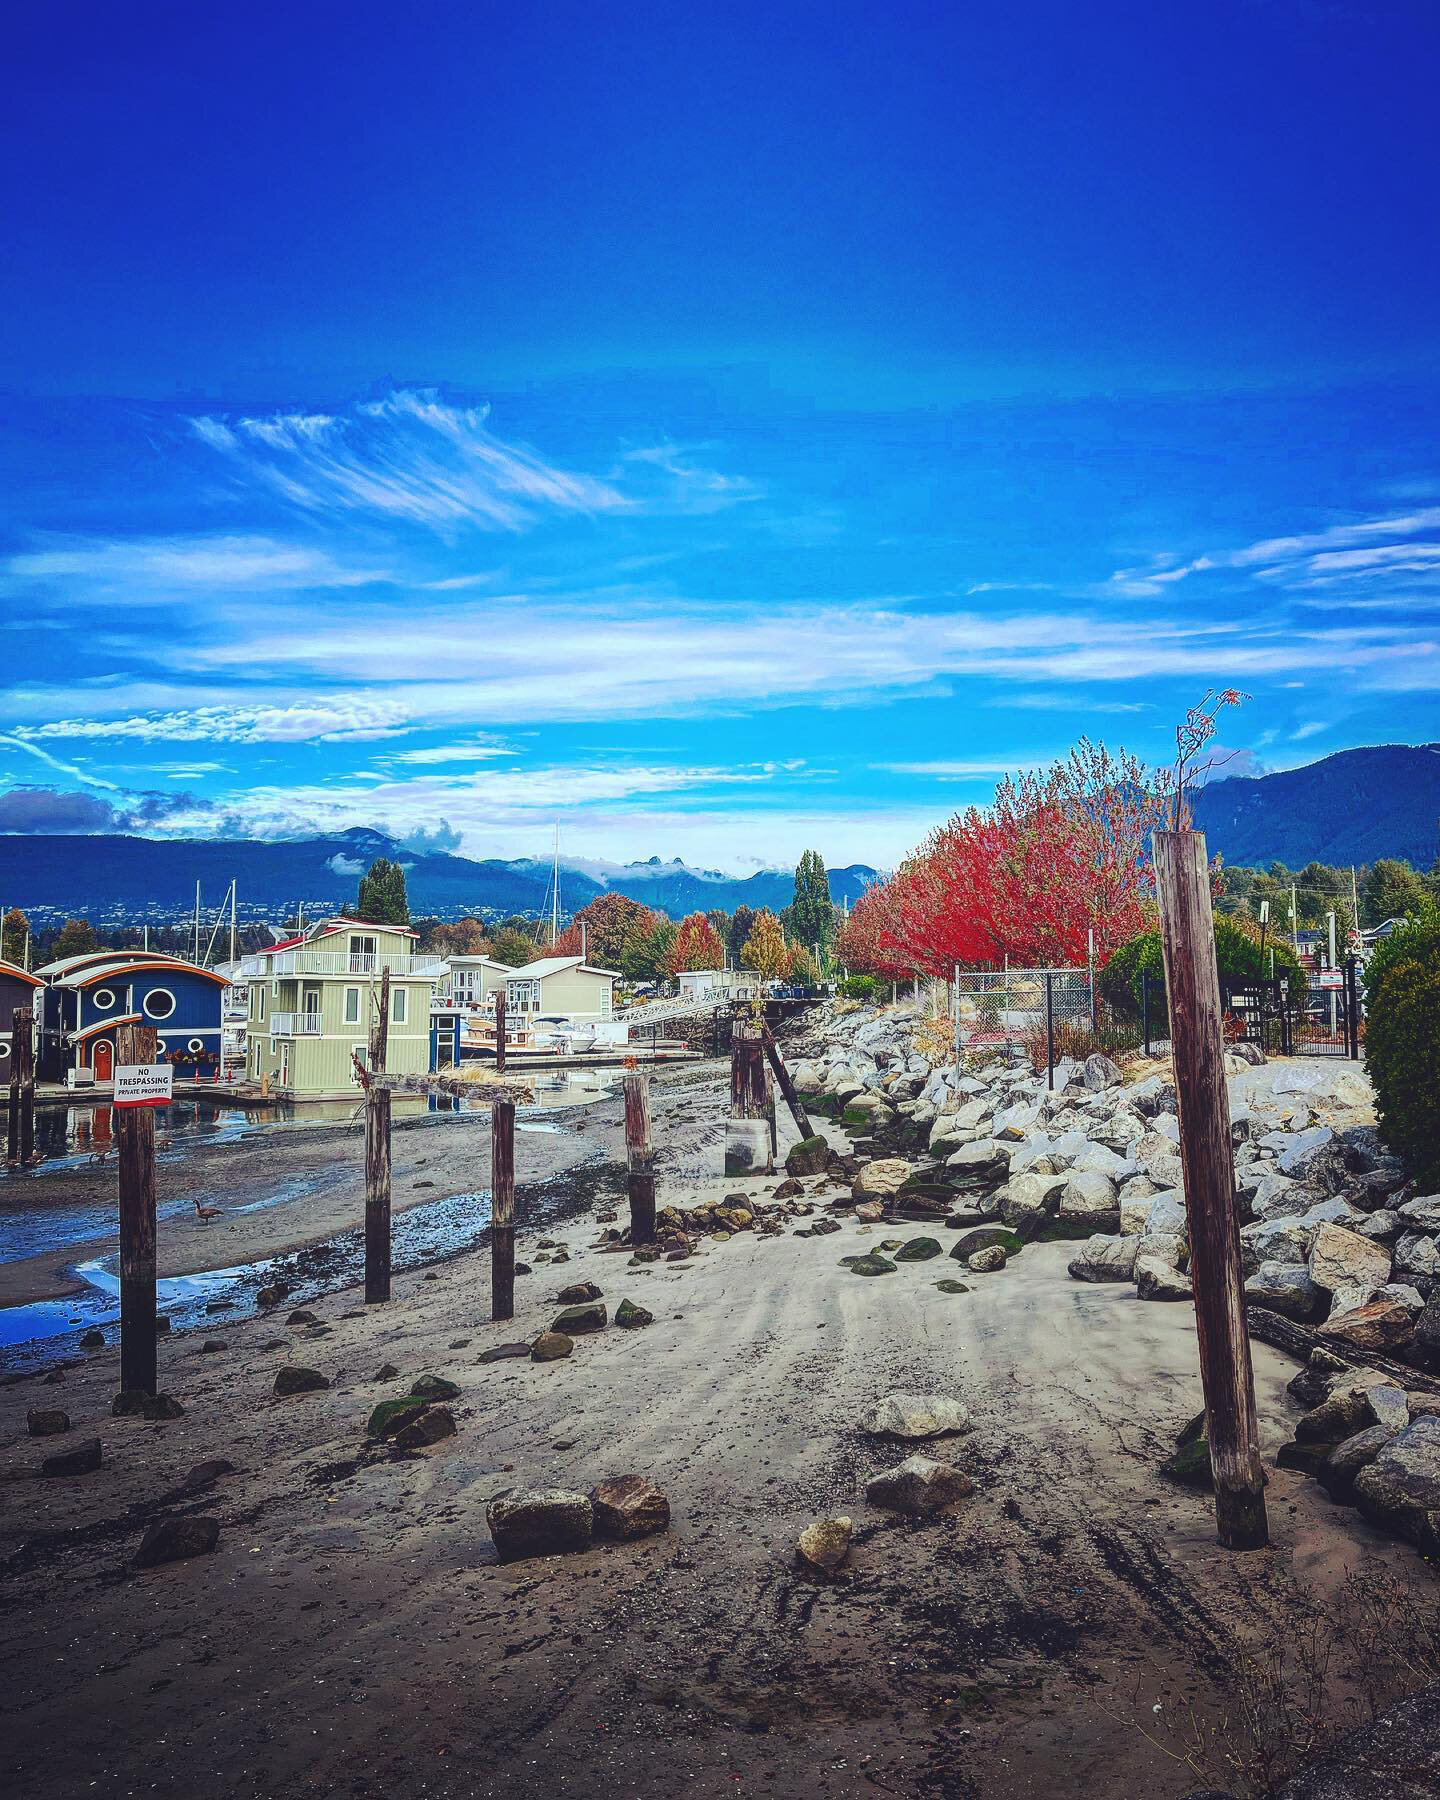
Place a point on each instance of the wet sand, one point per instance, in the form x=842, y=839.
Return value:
x=353, y=1633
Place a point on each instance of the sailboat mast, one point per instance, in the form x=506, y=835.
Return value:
x=232, y=921
x=196, y=956
x=555, y=893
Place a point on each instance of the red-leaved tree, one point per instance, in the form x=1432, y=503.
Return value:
x=698, y=945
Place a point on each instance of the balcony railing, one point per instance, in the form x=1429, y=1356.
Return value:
x=332, y=962
x=293, y=1024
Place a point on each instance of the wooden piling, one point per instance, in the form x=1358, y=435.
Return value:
x=135, y=1141
x=502, y=1210
x=377, y=1156
x=1182, y=878
x=786, y=1085
x=22, y=1059
x=500, y=1041
x=640, y=1155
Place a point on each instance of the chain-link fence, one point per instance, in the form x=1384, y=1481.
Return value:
x=1001, y=1007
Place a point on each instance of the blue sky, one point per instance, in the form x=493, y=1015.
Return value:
x=715, y=434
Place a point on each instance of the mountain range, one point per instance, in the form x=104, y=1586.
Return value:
x=1351, y=807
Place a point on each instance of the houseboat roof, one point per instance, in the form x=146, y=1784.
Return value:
x=489, y=962
x=16, y=973
x=327, y=927
x=107, y=971
x=552, y=965
x=65, y=964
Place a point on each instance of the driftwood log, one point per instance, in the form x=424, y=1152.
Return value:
x=1300, y=1340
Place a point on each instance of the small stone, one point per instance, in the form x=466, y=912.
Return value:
x=434, y=1423
x=386, y=1372
x=206, y=1474
x=213, y=1347
x=952, y=1287
x=577, y=1293
x=1190, y=1464
x=550, y=1346
x=577, y=1321
x=84, y=1459
x=919, y=1249
x=870, y=1265
x=503, y=1353
x=434, y=1387
x=46, y=1421
x=391, y=1416
x=172, y=1540
x=301, y=1317
x=987, y=1261
x=630, y=1317
x=915, y=1416
x=162, y=1325
x=162, y=1406
x=823, y=1546
x=539, y=1522
x=918, y=1486
x=94, y=1339
x=629, y=1506
x=294, y=1379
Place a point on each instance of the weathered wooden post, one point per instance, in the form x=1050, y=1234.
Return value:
x=1049, y=1031
x=500, y=1041
x=377, y=1156
x=787, y=1086
x=135, y=1141
x=640, y=1155
x=1192, y=985
x=12, y=1140
x=502, y=1210
x=749, y=1131
x=22, y=1057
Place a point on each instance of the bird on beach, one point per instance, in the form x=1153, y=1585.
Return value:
x=206, y=1213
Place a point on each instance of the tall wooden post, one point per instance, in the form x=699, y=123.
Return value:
x=502, y=1210
x=12, y=1140
x=786, y=1085
x=135, y=1140
x=377, y=1156
x=22, y=1058
x=1192, y=984
x=640, y=1155
x=500, y=1041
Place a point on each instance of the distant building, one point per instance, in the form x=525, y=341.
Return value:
x=18, y=989
x=473, y=981
x=719, y=984
x=560, y=987
x=88, y=997
x=312, y=999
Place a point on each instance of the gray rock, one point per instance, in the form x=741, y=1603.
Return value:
x=1400, y=1489
x=1340, y=1468
x=1103, y=1258
x=1422, y=1213
x=1302, y=1149
x=1415, y=1253
x=84, y=1459
x=988, y=1261
x=1100, y=1073
x=915, y=1416
x=1340, y=1258
x=175, y=1539
x=823, y=1546
x=1396, y=1758
x=629, y=1506
x=539, y=1522
x=293, y=1379
x=1286, y=1288
x=1156, y=1280
x=918, y=1486
x=1087, y=1192
x=1389, y=1405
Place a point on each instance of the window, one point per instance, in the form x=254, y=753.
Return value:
x=261, y=992
x=196, y=1045
x=352, y=1006
x=397, y=1005
x=4, y=1051
x=104, y=999
x=159, y=1003
x=159, y=1046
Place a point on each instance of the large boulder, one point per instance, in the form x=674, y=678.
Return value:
x=1156, y=1280
x=1422, y=1213
x=878, y=1180
x=1340, y=1258
x=578, y=1321
x=1103, y=1258
x=175, y=1539
x=1286, y=1288
x=539, y=1522
x=918, y=1486
x=1026, y=1201
x=984, y=1160
x=811, y=1156
x=1416, y=1254
x=915, y=1416
x=1088, y=1192
x=1302, y=1149
x=1381, y=1325
x=980, y=1238
x=1400, y=1488
x=1100, y=1073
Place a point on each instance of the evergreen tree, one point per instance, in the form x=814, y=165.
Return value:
x=382, y=899
x=514, y=948
x=76, y=937
x=810, y=917
x=742, y=923
x=1391, y=890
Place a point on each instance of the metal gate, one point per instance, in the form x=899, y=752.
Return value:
x=1325, y=1022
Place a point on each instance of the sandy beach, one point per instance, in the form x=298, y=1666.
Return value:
x=1071, y=1629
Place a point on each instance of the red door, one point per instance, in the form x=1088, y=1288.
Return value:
x=103, y=1059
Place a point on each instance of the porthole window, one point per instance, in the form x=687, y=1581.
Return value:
x=159, y=1046
x=104, y=999
x=196, y=1045
x=4, y=1051
x=159, y=1003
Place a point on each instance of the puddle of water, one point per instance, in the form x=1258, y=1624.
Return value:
x=99, y=1303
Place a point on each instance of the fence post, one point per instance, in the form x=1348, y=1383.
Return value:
x=1187, y=930
x=1050, y=1031
x=502, y=1210
x=22, y=1087
x=500, y=1041
x=1145, y=1007
x=1352, y=1010
x=377, y=1157
x=135, y=1141
x=640, y=1156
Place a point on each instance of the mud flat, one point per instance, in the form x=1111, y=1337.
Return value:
x=1070, y=1629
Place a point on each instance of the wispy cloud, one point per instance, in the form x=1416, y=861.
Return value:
x=410, y=456
x=340, y=718
x=64, y=768
x=156, y=569
x=989, y=769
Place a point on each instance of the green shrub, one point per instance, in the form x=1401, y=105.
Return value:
x=1402, y=1043
x=1237, y=953
x=859, y=987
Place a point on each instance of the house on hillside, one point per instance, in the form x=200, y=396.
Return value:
x=19, y=989
x=560, y=987
x=312, y=1000
x=88, y=997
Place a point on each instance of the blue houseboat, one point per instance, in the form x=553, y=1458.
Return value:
x=88, y=997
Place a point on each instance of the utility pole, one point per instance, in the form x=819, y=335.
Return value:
x=377, y=1155
x=1187, y=929
x=1354, y=901
x=135, y=1140
x=1294, y=922
x=232, y=921
x=196, y=956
